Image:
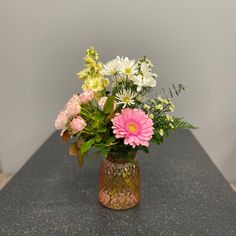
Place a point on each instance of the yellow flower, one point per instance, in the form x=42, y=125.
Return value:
x=92, y=66
x=162, y=100
x=161, y=132
x=169, y=118
x=83, y=74
x=151, y=116
x=105, y=82
x=159, y=107
x=146, y=106
x=95, y=84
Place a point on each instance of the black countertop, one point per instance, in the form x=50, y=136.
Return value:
x=183, y=193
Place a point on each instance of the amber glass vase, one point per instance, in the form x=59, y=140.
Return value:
x=119, y=182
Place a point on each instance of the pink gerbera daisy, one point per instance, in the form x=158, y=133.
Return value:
x=134, y=126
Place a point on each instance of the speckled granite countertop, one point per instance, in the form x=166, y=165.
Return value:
x=183, y=193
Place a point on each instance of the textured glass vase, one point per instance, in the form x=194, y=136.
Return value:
x=119, y=183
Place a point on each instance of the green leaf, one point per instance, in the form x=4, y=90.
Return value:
x=179, y=123
x=176, y=91
x=103, y=150
x=157, y=138
x=179, y=88
x=80, y=158
x=98, y=116
x=171, y=95
x=98, y=138
x=144, y=149
x=86, y=146
x=111, y=140
x=108, y=107
x=102, y=130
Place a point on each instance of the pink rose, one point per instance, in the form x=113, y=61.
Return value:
x=72, y=107
x=102, y=102
x=86, y=96
x=61, y=120
x=74, y=99
x=77, y=124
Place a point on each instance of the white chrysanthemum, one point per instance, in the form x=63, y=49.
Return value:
x=145, y=79
x=146, y=71
x=111, y=67
x=127, y=67
x=125, y=97
x=144, y=82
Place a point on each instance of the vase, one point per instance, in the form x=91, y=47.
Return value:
x=119, y=182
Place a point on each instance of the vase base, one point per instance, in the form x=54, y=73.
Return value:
x=118, y=202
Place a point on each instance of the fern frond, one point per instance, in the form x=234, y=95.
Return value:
x=180, y=123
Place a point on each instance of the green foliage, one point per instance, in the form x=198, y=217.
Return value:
x=177, y=89
x=138, y=80
x=143, y=148
x=86, y=146
x=180, y=123
x=80, y=158
x=75, y=150
x=98, y=138
x=108, y=107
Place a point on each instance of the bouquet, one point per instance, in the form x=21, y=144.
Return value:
x=113, y=113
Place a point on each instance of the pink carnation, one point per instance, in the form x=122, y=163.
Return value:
x=61, y=120
x=77, y=124
x=134, y=126
x=72, y=107
x=86, y=96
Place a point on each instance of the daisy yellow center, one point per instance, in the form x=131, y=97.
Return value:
x=132, y=127
x=126, y=99
x=127, y=71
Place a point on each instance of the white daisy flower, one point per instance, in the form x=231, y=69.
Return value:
x=127, y=67
x=145, y=79
x=111, y=67
x=125, y=97
x=146, y=71
x=144, y=82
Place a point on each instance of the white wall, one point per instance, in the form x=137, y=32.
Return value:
x=42, y=43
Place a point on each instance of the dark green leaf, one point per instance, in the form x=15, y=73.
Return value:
x=98, y=115
x=108, y=107
x=86, y=146
x=102, y=130
x=80, y=158
x=98, y=138
x=179, y=123
x=111, y=140
x=170, y=92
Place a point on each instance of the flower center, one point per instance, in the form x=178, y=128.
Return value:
x=127, y=71
x=132, y=127
x=126, y=99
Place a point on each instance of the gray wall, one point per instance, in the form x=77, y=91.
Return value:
x=42, y=43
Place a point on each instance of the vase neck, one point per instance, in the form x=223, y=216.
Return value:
x=121, y=158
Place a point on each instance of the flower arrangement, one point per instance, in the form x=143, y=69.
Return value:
x=113, y=113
